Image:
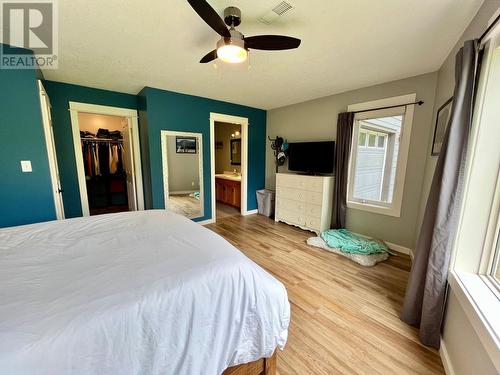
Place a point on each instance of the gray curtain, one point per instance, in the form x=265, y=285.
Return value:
x=426, y=291
x=342, y=152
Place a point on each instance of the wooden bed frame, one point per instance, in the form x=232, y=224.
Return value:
x=263, y=366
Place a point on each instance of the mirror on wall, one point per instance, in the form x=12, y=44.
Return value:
x=183, y=172
x=236, y=151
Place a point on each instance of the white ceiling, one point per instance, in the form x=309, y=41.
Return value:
x=126, y=45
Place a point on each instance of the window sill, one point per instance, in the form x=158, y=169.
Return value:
x=389, y=211
x=482, y=307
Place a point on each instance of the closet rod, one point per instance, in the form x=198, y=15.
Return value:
x=100, y=140
x=420, y=102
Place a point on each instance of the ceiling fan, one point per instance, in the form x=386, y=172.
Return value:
x=233, y=46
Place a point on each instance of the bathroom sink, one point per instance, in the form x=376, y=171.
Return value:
x=229, y=176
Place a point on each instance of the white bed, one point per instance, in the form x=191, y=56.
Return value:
x=133, y=293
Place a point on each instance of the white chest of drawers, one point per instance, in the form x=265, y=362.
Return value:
x=304, y=201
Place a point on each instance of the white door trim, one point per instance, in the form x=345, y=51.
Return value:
x=51, y=153
x=243, y=121
x=164, y=161
x=131, y=115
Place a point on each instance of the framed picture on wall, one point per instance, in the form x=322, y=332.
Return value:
x=442, y=119
x=185, y=145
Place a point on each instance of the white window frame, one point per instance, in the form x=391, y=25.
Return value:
x=394, y=208
x=491, y=245
x=473, y=247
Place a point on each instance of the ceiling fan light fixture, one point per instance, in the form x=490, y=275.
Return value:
x=232, y=52
x=233, y=46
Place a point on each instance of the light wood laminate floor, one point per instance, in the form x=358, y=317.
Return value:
x=224, y=210
x=184, y=205
x=344, y=316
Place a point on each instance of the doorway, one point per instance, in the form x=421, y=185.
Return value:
x=229, y=156
x=227, y=169
x=108, y=158
x=51, y=152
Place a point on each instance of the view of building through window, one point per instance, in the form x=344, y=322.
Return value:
x=376, y=158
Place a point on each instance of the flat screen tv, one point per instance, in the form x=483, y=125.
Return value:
x=311, y=157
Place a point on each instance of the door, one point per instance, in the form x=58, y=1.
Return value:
x=128, y=161
x=51, y=152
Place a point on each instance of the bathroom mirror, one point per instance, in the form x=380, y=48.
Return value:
x=235, y=151
x=182, y=158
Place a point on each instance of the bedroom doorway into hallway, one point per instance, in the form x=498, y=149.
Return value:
x=107, y=158
x=51, y=152
x=229, y=157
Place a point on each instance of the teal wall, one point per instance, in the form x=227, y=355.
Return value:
x=60, y=94
x=168, y=110
x=144, y=141
x=24, y=197
x=27, y=197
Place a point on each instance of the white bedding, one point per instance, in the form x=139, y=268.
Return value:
x=132, y=293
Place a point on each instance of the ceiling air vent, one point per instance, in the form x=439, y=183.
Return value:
x=282, y=8
x=278, y=11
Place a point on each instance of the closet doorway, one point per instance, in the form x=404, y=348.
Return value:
x=108, y=158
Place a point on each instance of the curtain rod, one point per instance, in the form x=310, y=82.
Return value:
x=420, y=102
x=488, y=29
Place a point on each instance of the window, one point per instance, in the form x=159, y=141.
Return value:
x=475, y=273
x=489, y=266
x=372, y=139
x=375, y=166
x=494, y=270
x=381, y=141
x=362, y=139
x=378, y=158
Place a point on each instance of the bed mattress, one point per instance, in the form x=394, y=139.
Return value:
x=146, y=292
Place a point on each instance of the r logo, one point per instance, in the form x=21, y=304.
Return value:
x=28, y=25
x=28, y=34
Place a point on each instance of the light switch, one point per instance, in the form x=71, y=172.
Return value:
x=26, y=166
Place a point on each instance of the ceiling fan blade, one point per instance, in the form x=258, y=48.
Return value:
x=271, y=42
x=210, y=16
x=212, y=55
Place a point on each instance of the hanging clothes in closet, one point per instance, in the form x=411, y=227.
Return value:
x=113, y=159
x=104, y=171
x=102, y=158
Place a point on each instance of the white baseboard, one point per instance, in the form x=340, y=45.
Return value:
x=399, y=248
x=393, y=246
x=445, y=358
x=251, y=212
x=205, y=222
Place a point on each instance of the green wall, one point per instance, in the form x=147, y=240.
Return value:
x=168, y=110
x=158, y=110
x=60, y=94
x=24, y=197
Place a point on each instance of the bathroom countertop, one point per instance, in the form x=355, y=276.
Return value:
x=231, y=177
